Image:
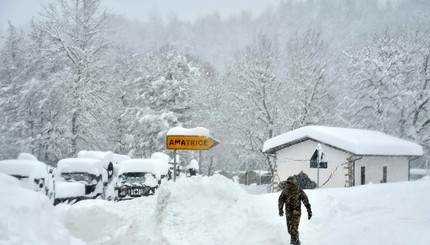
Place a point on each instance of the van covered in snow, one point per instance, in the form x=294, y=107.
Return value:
x=79, y=179
x=31, y=173
x=138, y=177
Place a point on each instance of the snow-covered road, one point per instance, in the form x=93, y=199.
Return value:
x=214, y=210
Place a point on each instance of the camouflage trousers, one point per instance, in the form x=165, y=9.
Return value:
x=293, y=221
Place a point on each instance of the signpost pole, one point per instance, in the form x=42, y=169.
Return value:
x=318, y=164
x=200, y=162
x=318, y=169
x=318, y=161
x=174, y=166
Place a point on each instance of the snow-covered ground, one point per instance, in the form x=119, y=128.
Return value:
x=203, y=210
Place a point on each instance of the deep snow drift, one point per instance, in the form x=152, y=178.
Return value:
x=214, y=210
x=28, y=217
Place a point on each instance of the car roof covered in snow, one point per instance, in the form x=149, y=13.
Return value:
x=22, y=167
x=80, y=165
x=357, y=141
x=155, y=166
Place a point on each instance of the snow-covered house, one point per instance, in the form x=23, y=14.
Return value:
x=354, y=156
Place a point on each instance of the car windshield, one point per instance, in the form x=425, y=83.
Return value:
x=134, y=177
x=86, y=177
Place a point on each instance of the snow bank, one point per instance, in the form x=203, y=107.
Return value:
x=69, y=189
x=28, y=217
x=395, y=214
x=116, y=223
x=198, y=210
x=213, y=210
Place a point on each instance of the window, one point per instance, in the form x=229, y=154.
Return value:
x=384, y=174
x=363, y=175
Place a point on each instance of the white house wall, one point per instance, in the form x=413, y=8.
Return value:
x=397, y=169
x=294, y=159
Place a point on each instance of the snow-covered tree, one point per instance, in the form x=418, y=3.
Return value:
x=75, y=30
x=390, y=85
x=125, y=67
x=252, y=109
x=12, y=80
x=420, y=110
x=310, y=92
x=163, y=99
x=31, y=102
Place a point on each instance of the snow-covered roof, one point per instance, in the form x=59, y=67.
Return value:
x=198, y=131
x=357, y=141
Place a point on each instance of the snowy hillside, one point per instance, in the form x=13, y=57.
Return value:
x=202, y=210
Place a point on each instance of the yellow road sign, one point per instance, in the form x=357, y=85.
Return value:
x=181, y=142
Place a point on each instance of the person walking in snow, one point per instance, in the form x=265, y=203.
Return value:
x=291, y=197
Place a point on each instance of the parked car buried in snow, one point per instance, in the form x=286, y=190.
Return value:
x=110, y=162
x=80, y=179
x=136, y=178
x=32, y=174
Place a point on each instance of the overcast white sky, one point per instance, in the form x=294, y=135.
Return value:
x=20, y=12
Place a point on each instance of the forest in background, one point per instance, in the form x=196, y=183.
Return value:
x=85, y=79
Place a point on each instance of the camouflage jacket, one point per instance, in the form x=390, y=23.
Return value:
x=292, y=197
